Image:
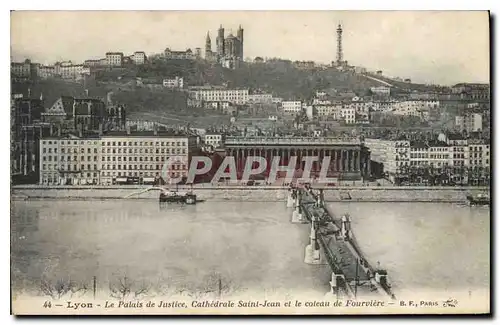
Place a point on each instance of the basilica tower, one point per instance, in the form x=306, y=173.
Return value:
x=239, y=36
x=208, y=47
x=220, y=42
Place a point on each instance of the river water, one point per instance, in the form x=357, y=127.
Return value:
x=249, y=246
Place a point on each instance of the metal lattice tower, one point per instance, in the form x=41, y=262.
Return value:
x=340, y=56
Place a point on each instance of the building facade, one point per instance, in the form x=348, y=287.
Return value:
x=348, y=113
x=22, y=69
x=393, y=154
x=68, y=70
x=348, y=157
x=70, y=161
x=260, y=98
x=139, y=57
x=45, y=72
x=114, y=59
x=92, y=62
x=291, y=107
x=236, y=96
x=179, y=55
x=114, y=156
x=381, y=91
x=446, y=161
x=174, y=83
x=214, y=139
x=470, y=122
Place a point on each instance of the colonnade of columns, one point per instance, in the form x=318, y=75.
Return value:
x=342, y=160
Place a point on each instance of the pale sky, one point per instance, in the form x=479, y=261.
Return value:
x=444, y=47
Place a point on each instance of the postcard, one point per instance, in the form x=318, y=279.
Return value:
x=250, y=162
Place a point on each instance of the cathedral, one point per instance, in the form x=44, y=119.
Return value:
x=229, y=50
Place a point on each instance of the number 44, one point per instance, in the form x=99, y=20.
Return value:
x=47, y=304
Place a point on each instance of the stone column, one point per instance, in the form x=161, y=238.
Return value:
x=329, y=153
x=368, y=165
x=334, y=160
x=266, y=157
x=245, y=155
x=305, y=153
x=237, y=158
x=358, y=165
x=348, y=160
x=242, y=158
x=341, y=167
x=351, y=160
x=316, y=163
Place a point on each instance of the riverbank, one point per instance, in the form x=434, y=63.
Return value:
x=248, y=193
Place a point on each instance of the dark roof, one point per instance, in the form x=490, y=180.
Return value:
x=418, y=144
x=114, y=53
x=478, y=85
x=436, y=143
x=455, y=136
x=74, y=136
x=145, y=134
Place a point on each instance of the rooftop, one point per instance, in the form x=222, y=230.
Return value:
x=418, y=144
x=436, y=143
x=145, y=134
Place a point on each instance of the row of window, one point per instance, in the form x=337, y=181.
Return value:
x=137, y=174
x=114, y=151
x=63, y=150
x=55, y=176
x=135, y=166
x=69, y=142
x=168, y=150
x=141, y=158
x=68, y=167
x=455, y=162
x=114, y=143
x=49, y=167
x=68, y=158
x=146, y=143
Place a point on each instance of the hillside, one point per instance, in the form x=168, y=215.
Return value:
x=52, y=89
x=143, y=99
x=284, y=80
x=278, y=77
x=409, y=86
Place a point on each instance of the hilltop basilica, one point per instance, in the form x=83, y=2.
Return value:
x=229, y=49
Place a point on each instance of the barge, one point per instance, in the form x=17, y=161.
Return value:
x=176, y=197
x=479, y=199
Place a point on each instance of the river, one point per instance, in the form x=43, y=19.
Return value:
x=249, y=246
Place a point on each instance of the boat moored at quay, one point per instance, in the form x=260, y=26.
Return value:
x=478, y=199
x=168, y=196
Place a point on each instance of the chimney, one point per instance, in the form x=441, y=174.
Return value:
x=155, y=128
x=80, y=132
x=87, y=92
x=100, y=129
x=59, y=131
x=128, y=129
